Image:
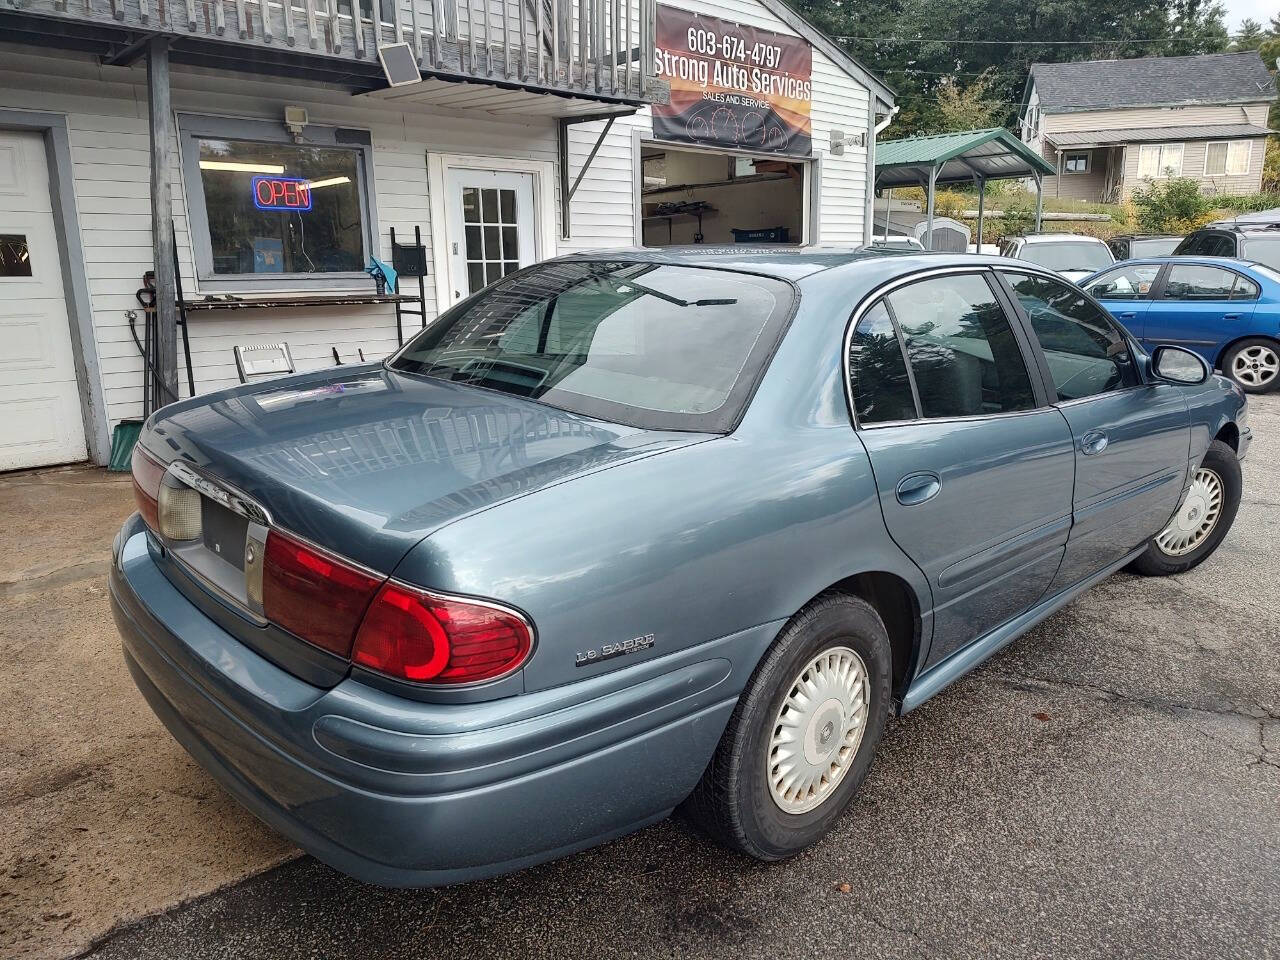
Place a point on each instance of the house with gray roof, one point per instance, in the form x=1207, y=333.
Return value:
x=1108, y=126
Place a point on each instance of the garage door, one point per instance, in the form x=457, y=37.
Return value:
x=40, y=420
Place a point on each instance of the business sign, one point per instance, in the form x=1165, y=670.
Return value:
x=282, y=193
x=732, y=85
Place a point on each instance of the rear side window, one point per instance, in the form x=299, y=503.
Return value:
x=1086, y=352
x=878, y=371
x=651, y=345
x=1264, y=250
x=1125, y=283
x=964, y=357
x=1193, y=281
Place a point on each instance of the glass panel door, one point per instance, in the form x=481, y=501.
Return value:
x=490, y=226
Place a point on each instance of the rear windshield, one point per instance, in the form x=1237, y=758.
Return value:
x=649, y=345
x=1265, y=250
x=1068, y=255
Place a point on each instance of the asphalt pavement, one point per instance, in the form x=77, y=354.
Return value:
x=1107, y=786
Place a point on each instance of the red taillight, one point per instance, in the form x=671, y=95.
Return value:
x=313, y=594
x=427, y=638
x=147, y=474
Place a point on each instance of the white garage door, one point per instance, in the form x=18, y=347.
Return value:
x=40, y=420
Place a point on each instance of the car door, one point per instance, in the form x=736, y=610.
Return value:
x=1126, y=291
x=1200, y=307
x=972, y=466
x=1132, y=438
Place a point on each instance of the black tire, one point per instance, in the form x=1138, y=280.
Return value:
x=733, y=802
x=1267, y=347
x=1222, y=461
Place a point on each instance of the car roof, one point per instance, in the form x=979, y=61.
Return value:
x=1147, y=236
x=1234, y=263
x=1244, y=229
x=1038, y=237
x=794, y=263
x=785, y=262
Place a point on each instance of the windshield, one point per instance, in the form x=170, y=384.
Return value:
x=649, y=345
x=1265, y=250
x=1068, y=255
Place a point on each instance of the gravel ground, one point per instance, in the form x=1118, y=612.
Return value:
x=1107, y=786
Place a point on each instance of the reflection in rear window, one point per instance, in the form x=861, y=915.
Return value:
x=1068, y=255
x=650, y=345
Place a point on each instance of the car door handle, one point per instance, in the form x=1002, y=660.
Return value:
x=1127, y=316
x=1231, y=316
x=917, y=488
x=1095, y=441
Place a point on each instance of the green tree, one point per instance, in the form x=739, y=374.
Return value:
x=970, y=106
x=1250, y=35
x=919, y=46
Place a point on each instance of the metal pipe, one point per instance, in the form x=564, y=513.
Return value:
x=982, y=196
x=1039, y=199
x=933, y=183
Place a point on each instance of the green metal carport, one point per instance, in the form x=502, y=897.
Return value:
x=973, y=156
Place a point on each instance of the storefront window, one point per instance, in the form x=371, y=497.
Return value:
x=282, y=208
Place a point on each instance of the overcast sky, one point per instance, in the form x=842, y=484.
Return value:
x=1237, y=10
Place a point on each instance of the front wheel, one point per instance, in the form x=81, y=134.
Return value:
x=1202, y=520
x=1254, y=364
x=803, y=735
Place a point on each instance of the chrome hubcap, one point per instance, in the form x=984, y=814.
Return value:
x=817, y=730
x=1256, y=366
x=1196, y=518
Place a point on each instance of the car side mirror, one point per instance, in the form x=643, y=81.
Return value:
x=1177, y=365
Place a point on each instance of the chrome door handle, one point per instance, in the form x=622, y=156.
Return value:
x=1095, y=441
x=917, y=488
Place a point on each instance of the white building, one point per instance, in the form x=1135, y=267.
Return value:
x=274, y=222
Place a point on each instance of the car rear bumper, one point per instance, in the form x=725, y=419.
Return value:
x=405, y=793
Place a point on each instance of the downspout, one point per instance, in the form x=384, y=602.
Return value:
x=868, y=228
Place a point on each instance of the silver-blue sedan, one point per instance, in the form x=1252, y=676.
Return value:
x=632, y=531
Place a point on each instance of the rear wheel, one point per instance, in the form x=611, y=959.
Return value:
x=1202, y=520
x=803, y=735
x=1254, y=364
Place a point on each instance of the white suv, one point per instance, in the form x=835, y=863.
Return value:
x=1071, y=255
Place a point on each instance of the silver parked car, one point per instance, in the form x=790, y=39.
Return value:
x=627, y=532
x=1071, y=255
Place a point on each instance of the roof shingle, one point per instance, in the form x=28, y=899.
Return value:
x=1152, y=81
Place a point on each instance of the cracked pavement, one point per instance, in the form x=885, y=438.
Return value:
x=1106, y=786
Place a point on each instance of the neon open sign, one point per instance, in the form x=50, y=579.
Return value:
x=281, y=193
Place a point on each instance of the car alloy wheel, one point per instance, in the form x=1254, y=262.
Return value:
x=1256, y=365
x=817, y=730
x=1196, y=517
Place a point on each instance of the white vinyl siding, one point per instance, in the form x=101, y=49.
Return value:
x=1227, y=158
x=106, y=111
x=1158, y=160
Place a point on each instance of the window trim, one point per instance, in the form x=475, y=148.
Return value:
x=1160, y=174
x=1030, y=353
x=193, y=127
x=1226, y=159
x=1088, y=162
x=1043, y=362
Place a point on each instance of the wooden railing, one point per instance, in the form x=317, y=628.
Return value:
x=592, y=48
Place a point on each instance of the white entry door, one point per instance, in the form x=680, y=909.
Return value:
x=491, y=227
x=40, y=419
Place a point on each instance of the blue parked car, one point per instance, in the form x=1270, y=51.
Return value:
x=1228, y=311
x=634, y=531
